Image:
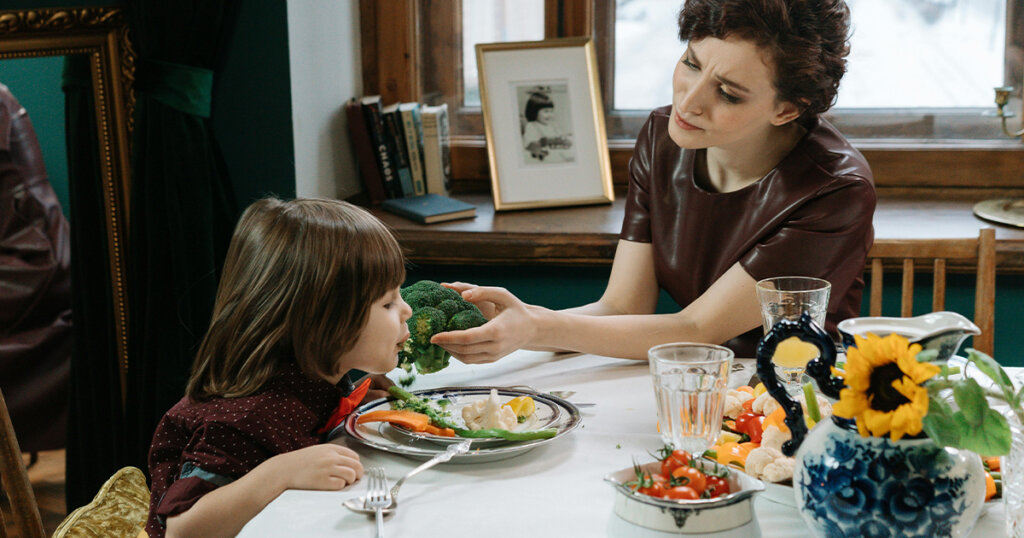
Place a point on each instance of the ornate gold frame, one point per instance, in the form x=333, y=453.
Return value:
x=102, y=34
x=493, y=121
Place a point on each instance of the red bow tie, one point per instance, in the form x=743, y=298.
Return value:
x=346, y=406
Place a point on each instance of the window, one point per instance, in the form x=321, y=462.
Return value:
x=492, y=21
x=921, y=69
x=917, y=133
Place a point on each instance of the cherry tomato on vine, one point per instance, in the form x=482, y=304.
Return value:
x=692, y=478
x=682, y=492
x=717, y=486
x=678, y=458
x=656, y=490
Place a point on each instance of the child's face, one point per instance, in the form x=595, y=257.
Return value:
x=376, y=350
x=545, y=115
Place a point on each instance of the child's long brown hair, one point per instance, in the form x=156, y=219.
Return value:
x=298, y=282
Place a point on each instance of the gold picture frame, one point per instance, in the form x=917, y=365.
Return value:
x=100, y=33
x=544, y=122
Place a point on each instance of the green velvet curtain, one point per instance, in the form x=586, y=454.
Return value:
x=182, y=207
x=95, y=447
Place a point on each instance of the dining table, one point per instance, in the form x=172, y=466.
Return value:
x=555, y=489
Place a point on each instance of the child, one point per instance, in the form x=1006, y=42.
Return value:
x=542, y=139
x=310, y=290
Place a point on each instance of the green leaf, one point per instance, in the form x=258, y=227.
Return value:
x=939, y=424
x=971, y=400
x=927, y=355
x=989, y=438
x=1018, y=400
x=992, y=369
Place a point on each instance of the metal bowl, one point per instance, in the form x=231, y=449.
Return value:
x=728, y=515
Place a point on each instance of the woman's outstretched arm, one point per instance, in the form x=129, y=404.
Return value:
x=620, y=324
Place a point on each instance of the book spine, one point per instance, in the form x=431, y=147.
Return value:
x=444, y=139
x=396, y=144
x=413, y=141
x=375, y=126
x=436, y=154
x=366, y=159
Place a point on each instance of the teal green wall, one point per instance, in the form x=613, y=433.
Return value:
x=252, y=109
x=562, y=287
x=36, y=83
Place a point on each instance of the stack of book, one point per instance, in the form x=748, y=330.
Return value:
x=404, y=158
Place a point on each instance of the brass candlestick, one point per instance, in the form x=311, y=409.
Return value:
x=1008, y=211
x=1002, y=97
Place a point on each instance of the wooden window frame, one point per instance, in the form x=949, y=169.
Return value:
x=396, y=66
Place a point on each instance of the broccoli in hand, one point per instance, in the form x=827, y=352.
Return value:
x=435, y=309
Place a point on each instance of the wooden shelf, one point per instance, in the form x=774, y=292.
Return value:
x=588, y=235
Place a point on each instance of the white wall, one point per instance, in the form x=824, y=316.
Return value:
x=324, y=57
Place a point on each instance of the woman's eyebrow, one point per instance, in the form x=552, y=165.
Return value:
x=723, y=80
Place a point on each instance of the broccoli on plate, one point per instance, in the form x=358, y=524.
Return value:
x=435, y=309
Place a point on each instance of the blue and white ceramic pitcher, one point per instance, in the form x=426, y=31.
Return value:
x=849, y=485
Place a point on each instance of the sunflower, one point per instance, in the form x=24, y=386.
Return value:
x=884, y=386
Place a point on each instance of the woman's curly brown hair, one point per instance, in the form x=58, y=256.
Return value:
x=808, y=41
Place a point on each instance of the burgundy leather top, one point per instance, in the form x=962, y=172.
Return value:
x=35, y=287
x=810, y=216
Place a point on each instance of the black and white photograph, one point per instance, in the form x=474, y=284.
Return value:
x=545, y=123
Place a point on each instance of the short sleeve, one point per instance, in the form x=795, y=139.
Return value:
x=827, y=237
x=636, y=224
x=218, y=454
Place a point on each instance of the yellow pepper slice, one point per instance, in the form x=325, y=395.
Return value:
x=522, y=406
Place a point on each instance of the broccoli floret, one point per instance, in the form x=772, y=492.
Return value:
x=432, y=359
x=424, y=323
x=427, y=293
x=467, y=319
x=435, y=309
x=451, y=307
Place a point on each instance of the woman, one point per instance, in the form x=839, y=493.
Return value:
x=738, y=180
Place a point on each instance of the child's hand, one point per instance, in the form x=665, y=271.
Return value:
x=322, y=467
x=379, y=384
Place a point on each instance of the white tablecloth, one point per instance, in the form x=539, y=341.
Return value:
x=553, y=490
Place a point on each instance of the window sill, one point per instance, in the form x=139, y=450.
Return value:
x=978, y=168
x=587, y=236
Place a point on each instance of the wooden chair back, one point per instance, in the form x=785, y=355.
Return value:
x=978, y=253
x=24, y=509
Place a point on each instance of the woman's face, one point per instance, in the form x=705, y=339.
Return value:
x=376, y=349
x=722, y=95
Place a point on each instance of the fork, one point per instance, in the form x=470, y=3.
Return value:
x=563, y=394
x=377, y=495
x=453, y=450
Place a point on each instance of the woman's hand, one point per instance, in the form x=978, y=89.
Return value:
x=512, y=325
x=379, y=384
x=321, y=467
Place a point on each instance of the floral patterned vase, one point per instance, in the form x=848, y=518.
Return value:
x=848, y=485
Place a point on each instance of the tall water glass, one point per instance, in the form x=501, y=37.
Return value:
x=787, y=297
x=690, y=382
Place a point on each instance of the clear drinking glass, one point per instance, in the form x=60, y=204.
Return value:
x=690, y=382
x=787, y=297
